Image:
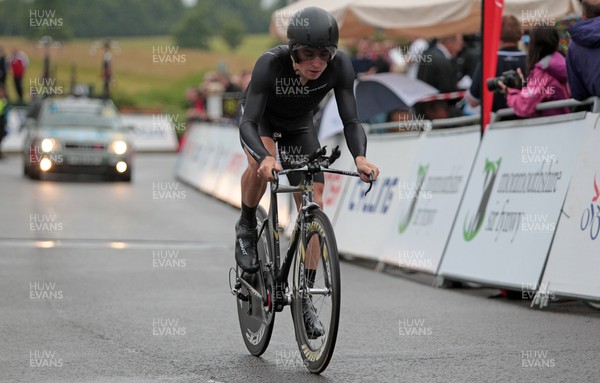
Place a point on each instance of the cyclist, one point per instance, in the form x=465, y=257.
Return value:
x=287, y=84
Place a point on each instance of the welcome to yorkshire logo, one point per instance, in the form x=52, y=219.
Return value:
x=405, y=221
x=471, y=228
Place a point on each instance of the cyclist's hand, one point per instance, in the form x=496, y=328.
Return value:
x=265, y=171
x=365, y=168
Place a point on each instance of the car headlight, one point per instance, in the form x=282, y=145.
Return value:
x=119, y=147
x=49, y=145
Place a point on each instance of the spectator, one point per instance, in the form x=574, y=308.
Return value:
x=4, y=108
x=441, y=71
x=3, y=68
x=583, y=57
x=381, y=59
x=196, y=101
x=407, y=59
x=438, y=68
x=361, y=61
x=547, y=80
x=509, y=58
x=562, y=25
x=467, y=60
x=18, y=63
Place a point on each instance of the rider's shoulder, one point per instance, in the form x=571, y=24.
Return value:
x=341, y=59
x=342, y=65
x=275, y=55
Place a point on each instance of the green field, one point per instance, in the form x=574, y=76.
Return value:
x=139, y=80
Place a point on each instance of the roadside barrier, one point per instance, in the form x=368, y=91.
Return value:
x=154, y=133
x=517, y=209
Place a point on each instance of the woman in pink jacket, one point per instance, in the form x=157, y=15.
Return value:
x=547, y=80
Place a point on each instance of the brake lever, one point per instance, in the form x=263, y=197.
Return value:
x=371, y=176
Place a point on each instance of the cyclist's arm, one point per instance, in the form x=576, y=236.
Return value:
x=256, y=101
x=356, y=138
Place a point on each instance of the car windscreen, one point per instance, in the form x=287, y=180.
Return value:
x=98, y=116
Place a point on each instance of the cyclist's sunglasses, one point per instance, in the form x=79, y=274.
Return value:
x=309, y=53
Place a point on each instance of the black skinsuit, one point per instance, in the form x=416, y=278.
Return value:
x=276, y=105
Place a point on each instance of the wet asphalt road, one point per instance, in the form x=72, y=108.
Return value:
x=116, y=282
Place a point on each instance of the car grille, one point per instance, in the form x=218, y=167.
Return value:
x=80, y=146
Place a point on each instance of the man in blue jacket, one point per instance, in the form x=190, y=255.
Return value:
x=583, y=57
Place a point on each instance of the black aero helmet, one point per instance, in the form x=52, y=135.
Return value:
x=312, y=27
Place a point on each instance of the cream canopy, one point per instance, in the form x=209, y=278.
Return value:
x=415, y=18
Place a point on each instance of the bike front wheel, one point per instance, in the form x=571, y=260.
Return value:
x=316, y=286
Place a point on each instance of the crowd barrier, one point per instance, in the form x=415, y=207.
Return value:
x=512, y=203
x=453, y=205
x=150, y=132
x=574, y=260
x=213, y=161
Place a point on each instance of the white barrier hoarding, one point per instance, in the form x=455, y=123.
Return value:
x=154, y=132
x=192, y=159
x=213, y=161
x=335, y=184
x=15, y=136
x=150, y=132
x=429, y=199
x=574, y=260
x=512, y=202
x=362, y=222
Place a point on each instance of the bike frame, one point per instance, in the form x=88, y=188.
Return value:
x=281, y=270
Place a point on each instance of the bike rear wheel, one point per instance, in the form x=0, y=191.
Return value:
x=321, y=255
x=256, y=319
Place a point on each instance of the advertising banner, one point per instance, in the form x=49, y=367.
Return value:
x=193, y=157
x=362, y=222
x=154, y=132
x=574, y=261
x=429, y=199
x=213, y=161
x=512, y=202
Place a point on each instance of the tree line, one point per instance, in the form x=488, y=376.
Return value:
x=191, y=26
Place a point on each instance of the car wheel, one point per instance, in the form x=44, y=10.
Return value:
x=125, y=177
x=34, y=175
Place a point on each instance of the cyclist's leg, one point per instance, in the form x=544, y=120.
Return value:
x=253, y=187
x=302, y=141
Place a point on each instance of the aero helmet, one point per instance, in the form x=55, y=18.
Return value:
x=312, y=27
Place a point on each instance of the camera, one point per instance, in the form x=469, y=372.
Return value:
x=510, y=78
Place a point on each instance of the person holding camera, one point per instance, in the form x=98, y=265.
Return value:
x=509, y=59
x=547, y=80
